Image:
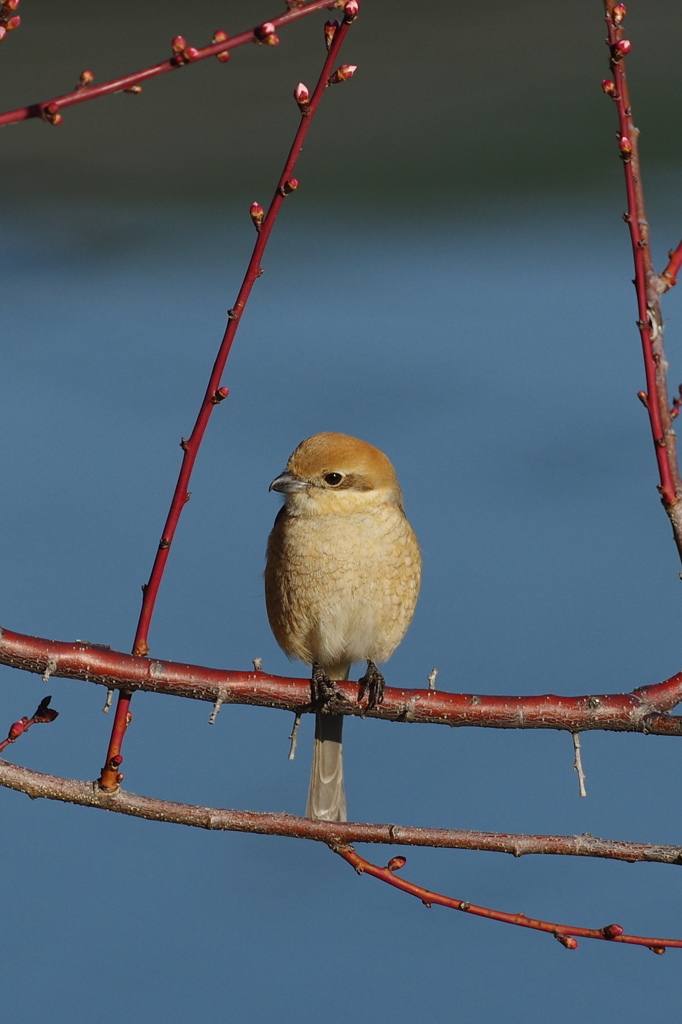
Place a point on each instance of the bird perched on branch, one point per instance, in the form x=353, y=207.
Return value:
x=341, y=583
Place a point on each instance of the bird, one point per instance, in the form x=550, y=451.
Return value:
x=342, y=577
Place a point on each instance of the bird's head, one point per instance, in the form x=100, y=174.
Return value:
x=336, y=473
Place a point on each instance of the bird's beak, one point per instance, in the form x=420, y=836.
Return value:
x=288, y=483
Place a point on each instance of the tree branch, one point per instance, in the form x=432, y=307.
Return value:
x=49, y=110
x=648, y=285
x=642, y=710
x=563, y=932
x=333, y=833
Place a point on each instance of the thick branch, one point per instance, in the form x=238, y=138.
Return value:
x=642, y=710
x=335, y=834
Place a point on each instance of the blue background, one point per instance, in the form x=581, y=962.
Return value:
x=469, y=314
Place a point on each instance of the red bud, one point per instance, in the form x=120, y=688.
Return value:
x=257, y=214
x=567, y=940
x=221, y=37
x=265, y=33
x=330, y=28
x=343, y=73
x=16, y=729
x=51, y=114
x=302, y=96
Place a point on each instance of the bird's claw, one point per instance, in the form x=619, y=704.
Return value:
x=372, y=684
x=325, y=694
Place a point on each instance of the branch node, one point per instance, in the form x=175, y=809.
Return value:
x=50, y=667
x=266, y=34
x=86, y=78
x=51, y=114
x=289, y=186
x=221, y=37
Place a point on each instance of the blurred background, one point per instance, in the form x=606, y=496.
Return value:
x=451, y=282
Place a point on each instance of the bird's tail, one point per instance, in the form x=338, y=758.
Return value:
x=327, y=794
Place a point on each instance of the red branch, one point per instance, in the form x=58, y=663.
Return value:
x=563, y=932
x=49, y=110
x=641, y=710
x=213, y=396
x=264, y=223
x=647, y=283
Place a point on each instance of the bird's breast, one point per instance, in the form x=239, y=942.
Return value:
x=342, y=588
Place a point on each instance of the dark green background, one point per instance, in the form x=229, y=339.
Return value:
x=450, y=99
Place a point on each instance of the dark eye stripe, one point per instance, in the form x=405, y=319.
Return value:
x=354, y=482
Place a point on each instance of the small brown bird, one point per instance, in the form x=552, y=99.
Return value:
x=341, y=583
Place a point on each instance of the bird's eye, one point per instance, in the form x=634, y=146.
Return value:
x=333, y=479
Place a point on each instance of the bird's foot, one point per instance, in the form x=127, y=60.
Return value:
x=372, y=684
x=325, y=694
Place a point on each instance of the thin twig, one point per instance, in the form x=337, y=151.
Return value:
x=215, y=393
x=43, y=713
x=564, y=933
x=647, y=282
x=215, y=712
x=49, y=110
x=578, y=763
x=293, y=737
